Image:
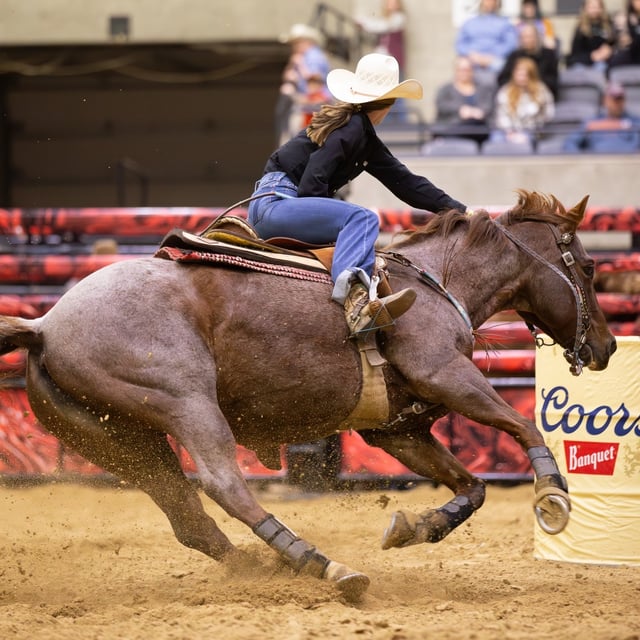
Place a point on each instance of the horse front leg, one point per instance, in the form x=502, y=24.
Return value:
x=421, y=452
x=462, y=388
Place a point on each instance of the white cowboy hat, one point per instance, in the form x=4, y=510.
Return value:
x=376, y=78
x=302, y=32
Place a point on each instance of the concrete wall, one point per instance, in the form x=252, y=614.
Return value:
x=487, y=181
x=151, y=21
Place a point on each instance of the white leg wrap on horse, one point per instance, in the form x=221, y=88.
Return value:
x=298, y=553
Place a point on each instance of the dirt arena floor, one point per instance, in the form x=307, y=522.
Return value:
x=102, y=563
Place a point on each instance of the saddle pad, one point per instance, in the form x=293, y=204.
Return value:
x=190, y=242
x=276, y=268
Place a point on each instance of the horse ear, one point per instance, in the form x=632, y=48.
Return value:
x=579, y=209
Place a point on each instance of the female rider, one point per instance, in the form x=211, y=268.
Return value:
x=303, y=176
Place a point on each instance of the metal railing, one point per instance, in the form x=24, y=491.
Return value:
x=344, y=38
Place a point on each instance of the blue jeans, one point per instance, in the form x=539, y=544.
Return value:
x=354, y=229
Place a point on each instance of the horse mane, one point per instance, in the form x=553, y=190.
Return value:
x=481, y=229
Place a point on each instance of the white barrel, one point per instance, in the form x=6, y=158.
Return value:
x=591, y=423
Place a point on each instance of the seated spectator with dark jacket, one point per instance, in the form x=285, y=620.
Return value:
x=463, y=106
x=629, y=38
x=614, y=130
x=530, y=46
x=594, y=37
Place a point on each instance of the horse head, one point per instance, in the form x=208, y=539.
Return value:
x=560, y=296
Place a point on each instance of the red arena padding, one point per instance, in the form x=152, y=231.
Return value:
x=27, y=306
x=113, y=222
x=595, y=219
x=507, y=362
x=617, y=262
x=26, y=449
x=13, y=363
x=619, y=304
x=52, y=269
x=135, y=221
x=481, y=449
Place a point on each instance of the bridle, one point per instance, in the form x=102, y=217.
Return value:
x=583, y=318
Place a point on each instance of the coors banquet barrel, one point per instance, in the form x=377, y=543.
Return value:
x=591, y=423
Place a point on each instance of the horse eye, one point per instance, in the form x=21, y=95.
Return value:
x=589, y=270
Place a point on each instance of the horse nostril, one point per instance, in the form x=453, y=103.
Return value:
x=613, y=346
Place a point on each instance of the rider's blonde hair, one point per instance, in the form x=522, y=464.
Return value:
x=333, y=116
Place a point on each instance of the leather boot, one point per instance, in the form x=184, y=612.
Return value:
x=365, y=315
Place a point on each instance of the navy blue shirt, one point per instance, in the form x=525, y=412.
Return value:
x=347, y=152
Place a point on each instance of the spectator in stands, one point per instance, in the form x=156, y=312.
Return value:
x=301, y=178
x=522, y=105
x=531, y=47
x=307, y=59
x=530, y=13
x=388, y=30
x=487, y=38
x=317, y=95
x=594, y=37
x=614, y=130
x=629, y=38
x=463, y=106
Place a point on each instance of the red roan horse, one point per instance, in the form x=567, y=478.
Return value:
x=219, y=356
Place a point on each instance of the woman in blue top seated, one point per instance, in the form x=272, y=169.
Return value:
x=302, y=177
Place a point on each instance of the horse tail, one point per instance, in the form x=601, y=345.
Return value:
x=19, y=333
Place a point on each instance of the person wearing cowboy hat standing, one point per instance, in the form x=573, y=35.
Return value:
x=295, y=196
x=307, y=60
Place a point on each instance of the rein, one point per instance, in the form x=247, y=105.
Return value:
x=433, y=282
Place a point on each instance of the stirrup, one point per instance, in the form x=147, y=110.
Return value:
x=378, y=314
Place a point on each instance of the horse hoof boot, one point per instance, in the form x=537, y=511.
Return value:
x=351, y=584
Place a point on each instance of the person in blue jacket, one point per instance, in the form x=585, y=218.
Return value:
x=303, y=176
x=487, y=38
x=614, y=130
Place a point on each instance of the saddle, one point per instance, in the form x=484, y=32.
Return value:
x=232, y=236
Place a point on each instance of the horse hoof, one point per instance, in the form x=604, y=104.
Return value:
x=401, y=530
x=351, y=584
x=552, y=507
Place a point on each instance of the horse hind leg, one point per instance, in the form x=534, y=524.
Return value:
x=308, y=560
x=223, y=482
x=145, y=459
x=425, y=455
x=141, y=457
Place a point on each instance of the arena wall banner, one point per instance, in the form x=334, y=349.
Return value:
x=591, y=423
